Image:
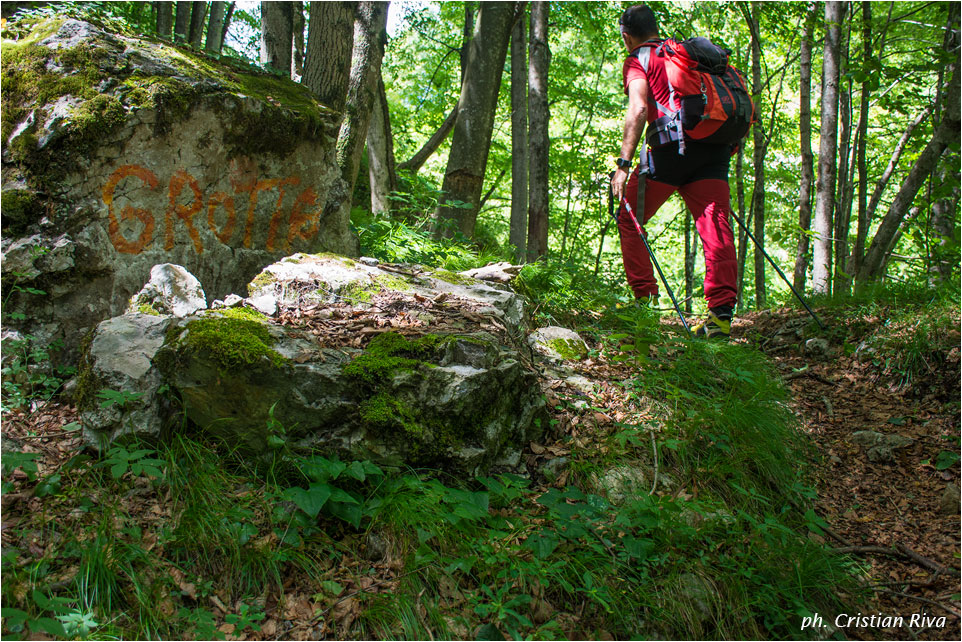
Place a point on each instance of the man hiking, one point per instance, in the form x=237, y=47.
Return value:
x=700, y=175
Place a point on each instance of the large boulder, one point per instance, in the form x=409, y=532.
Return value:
x=120, y=153
x=391, y=364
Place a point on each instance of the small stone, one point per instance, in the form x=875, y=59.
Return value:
x=950, y=502
x=621, y=483
x=376, y=547
x=170, y=290
x=233, y=300
x=880, y=446
x=367, y=260
x=264, y=303
x=817, y=346
x=559, y=344
x=835, y=460
x=553, y=468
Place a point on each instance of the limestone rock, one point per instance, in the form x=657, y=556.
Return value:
x=120, y=360
x=817, y=347
x=307, y=279
x=557, y=343
x=171, y=290
x=502, y=272
x=553, y=468
x=160, y=155
x=880, y=446
x=622, y=483
x=461, y=402
x=949, y=503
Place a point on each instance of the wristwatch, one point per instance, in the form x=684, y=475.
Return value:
x=623, y=164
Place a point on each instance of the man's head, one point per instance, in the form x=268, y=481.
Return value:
x=638, y=24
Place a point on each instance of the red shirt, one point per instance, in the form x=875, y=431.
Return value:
x=656, y=76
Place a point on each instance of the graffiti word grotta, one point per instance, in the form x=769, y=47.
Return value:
x=303, y=219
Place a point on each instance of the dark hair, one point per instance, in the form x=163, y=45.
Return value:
x=639, y=21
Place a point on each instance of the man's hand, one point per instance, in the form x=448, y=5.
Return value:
x=618, y=182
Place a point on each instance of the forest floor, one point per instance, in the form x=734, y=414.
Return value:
x=900, y=514
x=892, y=514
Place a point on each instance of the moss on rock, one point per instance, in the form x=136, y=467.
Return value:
x=20, y=207
x=232, y=342
x=88, y=383
x=568, y=348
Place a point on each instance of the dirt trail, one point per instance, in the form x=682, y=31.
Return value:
x=871, y=499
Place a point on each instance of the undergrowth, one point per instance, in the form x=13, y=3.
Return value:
x=189, y=539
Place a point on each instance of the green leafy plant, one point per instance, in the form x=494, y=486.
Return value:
x=138, y=462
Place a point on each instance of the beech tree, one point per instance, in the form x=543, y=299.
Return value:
x=946, y=134
x=518, y=233
x=277, y=35
x=369, y=24
x=198, y=17
x=380, y=153
x=806, y=170
x=165, y=19
x=330, y=41
x=464, y=176
x=182, y=21
x=298, y=24
x=825, y=188
x=540, y=59
x=217, y=27
x=758, y=157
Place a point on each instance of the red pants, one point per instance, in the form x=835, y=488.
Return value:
x=708, y=201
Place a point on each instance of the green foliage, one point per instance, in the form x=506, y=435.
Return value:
x=563, y=293
x=142, y=461
x=399, y=242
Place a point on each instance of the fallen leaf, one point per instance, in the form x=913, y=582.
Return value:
x=536, y=449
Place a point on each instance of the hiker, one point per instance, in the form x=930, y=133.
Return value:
x=697, y=170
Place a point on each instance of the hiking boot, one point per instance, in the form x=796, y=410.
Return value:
x=647, y=301
x=718, y=325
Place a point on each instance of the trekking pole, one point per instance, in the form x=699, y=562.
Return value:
x=654, y=261
x=777, y=269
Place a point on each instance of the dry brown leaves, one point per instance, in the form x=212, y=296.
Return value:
x=873, y=503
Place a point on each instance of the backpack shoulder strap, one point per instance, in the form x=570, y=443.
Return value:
x=644, y=52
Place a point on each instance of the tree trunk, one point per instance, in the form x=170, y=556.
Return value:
x=861, y=225
x=215, y=28
x=805, y=140
x=758, y=160
x=165, y=19
x=843, y=201
x=182, y=21
x=380, y=153
x=230, y=13
x=690, y=251
x=330, y=40
x=297, y=12
x=369, y=24
x=742, y=236
x=540, y=59
x=946, y=134
x=519, y=140
x=946, y=251
x=464, y=176
x=825, y=188
x=198, y=17
x=277, y=35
